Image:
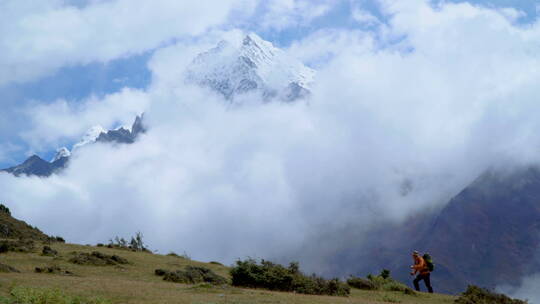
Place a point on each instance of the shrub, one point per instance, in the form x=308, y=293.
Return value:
x=380, y=282
x=360, y=283
x=53, y=270
x=97, y=259
x=135, y=244
x=272, y=276
x=191, y=275
x=4, y=209
x=24, y=246
x=48, y=251
x=57, y=239
x=477, y=295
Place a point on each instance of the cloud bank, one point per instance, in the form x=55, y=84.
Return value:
x=400, y=119
x=38, y=38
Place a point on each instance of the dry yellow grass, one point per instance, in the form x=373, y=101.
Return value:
x=136, y=283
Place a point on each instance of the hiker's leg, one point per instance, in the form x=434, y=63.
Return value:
x=427, y=280
x=415, y=282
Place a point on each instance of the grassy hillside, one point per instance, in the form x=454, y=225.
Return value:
x=136, y=282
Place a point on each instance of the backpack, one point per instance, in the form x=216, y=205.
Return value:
x=429, y=262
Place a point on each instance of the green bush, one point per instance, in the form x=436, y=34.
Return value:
x=477, y=295
x=272, y=276
x=385, y=274
x=191, y=275
x=48, y=251
x=360, y=283
x=4, y=209
x=24, y=246
x=54, y=269
x=56, y=239
x=135, y=244
x=25, y=295
x=382, y=282
x=96, y=259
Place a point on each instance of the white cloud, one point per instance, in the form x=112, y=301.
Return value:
x=365, y=17
x=457, y=93
x=528, y=290
x=280, y=14
x=324, y=45
x=50, y=125
x=38, y=38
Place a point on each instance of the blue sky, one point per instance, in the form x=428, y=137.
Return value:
x=75, y=82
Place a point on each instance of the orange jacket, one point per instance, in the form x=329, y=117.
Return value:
x=420, y=266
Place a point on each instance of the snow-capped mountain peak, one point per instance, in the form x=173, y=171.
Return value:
x=90, y=137
x=254, y=64
x=62, y=152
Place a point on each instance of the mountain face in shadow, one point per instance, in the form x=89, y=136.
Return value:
x=37, y=166
x=487, y=235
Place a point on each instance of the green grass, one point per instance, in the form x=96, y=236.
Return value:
x=27, y=295
x=136, y=283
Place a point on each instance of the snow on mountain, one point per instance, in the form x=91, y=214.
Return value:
x=254, y=64
x=90, y=137
x=62, y=152
x=39, y=167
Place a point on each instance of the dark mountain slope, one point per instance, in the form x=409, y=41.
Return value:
x=489, y=234
x=123, y=136
x=11, y=228
x=35, y=165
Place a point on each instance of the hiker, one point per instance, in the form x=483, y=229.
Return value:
x=421, y=268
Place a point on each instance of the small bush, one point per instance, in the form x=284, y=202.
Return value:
x=24, y=246
x=477, y=295
x=48, y=251
x=48, y=296
x=380, y=283
x=272, y=276
x=135, y=244
x=4, y=209
x=191, y=275
x=97, y=259
x=57, y=239
x=360, y=283
x=52, y=270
